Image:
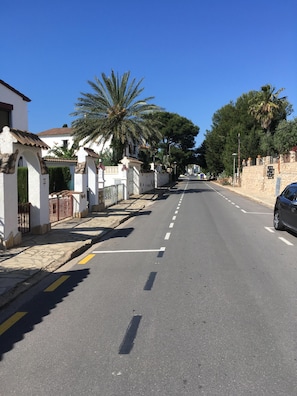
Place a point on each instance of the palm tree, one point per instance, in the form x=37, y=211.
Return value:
x=268, y=106
x=65, y=152
x=114, y=113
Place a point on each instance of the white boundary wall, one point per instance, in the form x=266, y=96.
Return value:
x=143, y=181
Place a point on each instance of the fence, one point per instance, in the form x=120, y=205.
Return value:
x=24, y=223
x=113, y=194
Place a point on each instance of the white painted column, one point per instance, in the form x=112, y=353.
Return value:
x=92, y=182
x=81, y=183
x=9, y=234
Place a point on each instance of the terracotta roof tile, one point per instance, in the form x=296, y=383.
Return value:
x=56, y=132
x=28, y=139
x=61, y=160
x=91, y=152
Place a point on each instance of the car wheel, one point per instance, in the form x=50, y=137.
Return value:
x=278, y=224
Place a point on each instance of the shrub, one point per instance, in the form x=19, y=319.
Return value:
x=59, y=178
x=22, y=184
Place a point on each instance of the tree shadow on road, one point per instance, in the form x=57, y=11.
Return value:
x=14, y=327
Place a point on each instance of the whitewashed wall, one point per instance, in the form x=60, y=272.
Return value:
x=144, y=181
x=19, y=113
x=57, y=141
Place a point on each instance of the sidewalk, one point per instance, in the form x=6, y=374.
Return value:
x=23, y=266
x=268, y=201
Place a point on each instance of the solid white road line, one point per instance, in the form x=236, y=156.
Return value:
x=128, y=251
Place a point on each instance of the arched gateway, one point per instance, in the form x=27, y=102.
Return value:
x=13, y=145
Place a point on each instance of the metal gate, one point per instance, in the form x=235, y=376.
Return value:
x=60, y=207
x=24, y=220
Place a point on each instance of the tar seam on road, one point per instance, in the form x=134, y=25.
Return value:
x=150, y=281
x=128, y=341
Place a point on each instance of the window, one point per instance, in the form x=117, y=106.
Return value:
x=5, y=115
x=65, y=144
x=290, y=193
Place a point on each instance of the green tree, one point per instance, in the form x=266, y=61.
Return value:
x=177, y=139
x=215, y=139
x=115, y=113
x=64, y=152
x=285, y=137
x=269, y=109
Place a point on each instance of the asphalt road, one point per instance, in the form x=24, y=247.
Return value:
x=194, y=296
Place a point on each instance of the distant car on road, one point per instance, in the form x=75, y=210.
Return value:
x=285, y=209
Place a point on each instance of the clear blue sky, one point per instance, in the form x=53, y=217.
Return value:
x=195, y=56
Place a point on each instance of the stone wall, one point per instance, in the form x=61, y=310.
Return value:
x=267, y=177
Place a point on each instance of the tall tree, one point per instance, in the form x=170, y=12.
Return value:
x=115, y=113
x=285, y=137
x=267, y=107
x=177, y=138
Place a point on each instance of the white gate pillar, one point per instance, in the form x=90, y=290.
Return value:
x=9, y=234
x=81, y=184
x=13, y=145
x=92, y=184
x=38, y=189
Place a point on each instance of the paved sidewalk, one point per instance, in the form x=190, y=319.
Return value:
x=39, y=255
x=268, y=201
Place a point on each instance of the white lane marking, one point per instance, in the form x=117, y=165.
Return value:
x=270, y=229
x=286, y=241
x=129, y=251
x=176, y=212
x=173, y=218
x=258, y=213
x=238, y=207
x=171, y=225
x=167, y=236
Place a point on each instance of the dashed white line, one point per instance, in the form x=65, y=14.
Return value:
x=167, y=236
x=171, y=225
x=173, y=218
x=269, y=229
x=286, y=241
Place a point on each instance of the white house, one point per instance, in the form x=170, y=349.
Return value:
x=13, y=108
x=63, y=137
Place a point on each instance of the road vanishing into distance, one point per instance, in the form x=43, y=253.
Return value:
x=196, y=295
